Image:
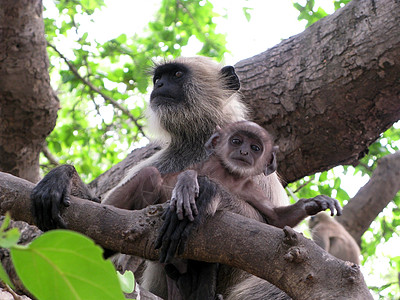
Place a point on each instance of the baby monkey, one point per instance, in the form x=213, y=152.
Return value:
x=238, y=153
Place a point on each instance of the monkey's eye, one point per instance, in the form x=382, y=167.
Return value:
x=255, y=148
x=178, y=74
x=236, y=141
x=156, y=78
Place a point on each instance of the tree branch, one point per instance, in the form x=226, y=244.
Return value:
x=373, y=197
x=291, y=262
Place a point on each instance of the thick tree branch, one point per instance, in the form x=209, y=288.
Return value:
x=292, y=262
x=373, y=197
x=327, y=93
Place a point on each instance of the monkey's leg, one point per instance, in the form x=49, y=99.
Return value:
x=200, y=279
x=143, y=189
x=53, y=192
x=198, y=282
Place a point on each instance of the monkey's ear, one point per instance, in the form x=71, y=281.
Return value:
x=232, y=80
x=272, y=165
x=212, y=143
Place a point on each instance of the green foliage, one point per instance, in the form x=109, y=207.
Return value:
x=62, y=264
x=127, y=281
x=8, y=238
x=311, y=14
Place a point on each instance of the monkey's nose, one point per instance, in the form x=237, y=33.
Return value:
x=244, y=152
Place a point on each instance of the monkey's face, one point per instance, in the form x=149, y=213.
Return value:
x=169, y=80
x=244, y=154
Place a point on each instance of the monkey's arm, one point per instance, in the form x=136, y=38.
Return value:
x=145, y=188
x=53, y=192
x=293, y=214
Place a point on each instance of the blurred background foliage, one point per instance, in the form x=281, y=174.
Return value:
x=102, y=88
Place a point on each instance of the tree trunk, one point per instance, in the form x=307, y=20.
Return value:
x=290, y=261
x=28, y=105
x=327, y=93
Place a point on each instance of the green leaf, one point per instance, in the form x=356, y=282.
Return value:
x=9, y=238
x=4, y=277
x=66, y=265
x=127, y=281
x=246, y=13
x=6, y=222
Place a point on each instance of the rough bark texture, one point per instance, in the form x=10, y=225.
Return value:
x=327, y=93
x=28, y=105
x=372, y=198
x=290, y=261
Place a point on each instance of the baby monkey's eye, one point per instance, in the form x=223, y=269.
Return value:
x=255, y=148
x=236, y=141
x=178, y=74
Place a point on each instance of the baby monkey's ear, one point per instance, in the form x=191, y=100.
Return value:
x=212, y=143
x=272, y=165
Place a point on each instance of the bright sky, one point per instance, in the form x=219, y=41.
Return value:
x=271, y=21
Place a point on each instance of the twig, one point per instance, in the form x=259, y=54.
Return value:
x=50, y=156
x=95, y=89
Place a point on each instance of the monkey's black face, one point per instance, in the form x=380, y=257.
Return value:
x=169, y=80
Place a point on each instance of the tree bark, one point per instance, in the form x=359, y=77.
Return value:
x=327, y=93
x=293, y=263
x=28, y=105
x=373, y=197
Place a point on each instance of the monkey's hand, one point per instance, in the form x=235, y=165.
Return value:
x=52, y=192
x=184, y=195
x=319, y=203
x=173, y=234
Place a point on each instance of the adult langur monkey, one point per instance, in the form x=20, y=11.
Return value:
x=331, y=236
x=190, y=98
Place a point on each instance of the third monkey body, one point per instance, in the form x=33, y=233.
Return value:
x=331, y=236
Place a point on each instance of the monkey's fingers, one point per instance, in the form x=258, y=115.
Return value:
x=175, y=240
x=56, y=217
x=338, y=208
x=179, y=208
x=167, y=216
x=184, y=237
x=330, y=202
x=187, y=205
